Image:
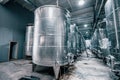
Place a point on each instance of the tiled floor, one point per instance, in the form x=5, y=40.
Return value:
x=84, y=69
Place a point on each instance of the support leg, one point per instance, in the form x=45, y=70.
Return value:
x=56, y=69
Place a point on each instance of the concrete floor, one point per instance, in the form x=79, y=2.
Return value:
x=14, y=70
x=89, y=68
x=84, y=69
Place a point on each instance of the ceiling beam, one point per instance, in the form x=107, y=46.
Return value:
x=82, y=11
x=70, y=4
x=85, y=15
x=82, y=20
x=28, y=5
x=4, y=1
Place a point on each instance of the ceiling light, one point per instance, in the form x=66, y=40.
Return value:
x=1, y=0
x=26, y=0
x=81, y=2
x=85, y=25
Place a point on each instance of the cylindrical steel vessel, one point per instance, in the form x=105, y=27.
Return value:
x=50, y=36
x=112, y=12
x=29, y=40
x=72, y=39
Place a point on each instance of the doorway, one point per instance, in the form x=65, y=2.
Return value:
x=13, y=50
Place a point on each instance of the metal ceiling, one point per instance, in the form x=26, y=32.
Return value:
x=3, y=1
x=76, y=10
x=81, y=14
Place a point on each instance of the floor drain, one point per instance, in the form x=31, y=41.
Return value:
x=29, y=78
x=86, y=63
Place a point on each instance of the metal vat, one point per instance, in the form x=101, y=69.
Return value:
x=112, y=13
x=50, y=37
x=29, y=40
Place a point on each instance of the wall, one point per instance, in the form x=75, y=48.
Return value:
x=13, y=21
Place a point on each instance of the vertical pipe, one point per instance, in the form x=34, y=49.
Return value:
x=99, y=11
x=102, y=3
x=69, y=4
x=96, y=2
x=57, y=2
x=97, y=34
x=115, y=24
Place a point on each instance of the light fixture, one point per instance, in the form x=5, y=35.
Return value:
x=85, y=25
x=81, y=2
x=86, y=32
x=1, y=0
x=25, y=0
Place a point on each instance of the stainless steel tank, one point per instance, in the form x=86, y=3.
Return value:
x=73, y=38
x=112, y=13
x=29, y=40
x=78, y=41
x=50, y=37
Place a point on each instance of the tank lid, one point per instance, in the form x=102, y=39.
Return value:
x=52, y=6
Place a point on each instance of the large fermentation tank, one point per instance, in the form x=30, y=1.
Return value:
x=104, y=43
x=50, y=37
x=29, y=40
x=72, y=39
x=78, y=40
x=95, y=40
x=112, y=13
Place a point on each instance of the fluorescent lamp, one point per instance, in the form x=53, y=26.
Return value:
x=85, y=25
x=81, y=2
x=1, y=0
